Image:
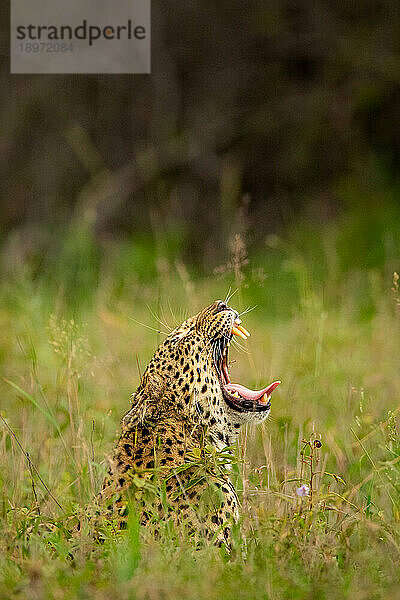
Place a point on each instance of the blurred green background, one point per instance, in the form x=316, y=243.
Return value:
x=264, y=117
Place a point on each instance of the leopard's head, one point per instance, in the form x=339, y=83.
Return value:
x=189, y=374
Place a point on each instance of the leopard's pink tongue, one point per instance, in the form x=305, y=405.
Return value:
x=251, y=394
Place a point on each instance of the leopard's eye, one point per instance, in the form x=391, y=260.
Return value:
x=221, y=306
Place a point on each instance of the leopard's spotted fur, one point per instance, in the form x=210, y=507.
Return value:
x=179, y=411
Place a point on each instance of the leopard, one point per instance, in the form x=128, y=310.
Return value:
x=185, y=415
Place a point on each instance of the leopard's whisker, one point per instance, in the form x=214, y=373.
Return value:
x=247, y=310
x=172, y=313
x=165, y=318
x=230, y=295
x=148, y=326
x=237, y=345
x=158, y=319
x=226, y=297
x=240, y=347
x=209, y=342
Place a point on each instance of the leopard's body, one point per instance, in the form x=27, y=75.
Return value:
x=180, y=416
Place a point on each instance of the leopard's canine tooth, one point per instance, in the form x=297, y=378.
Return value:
x=243, y=330
x=238, y=332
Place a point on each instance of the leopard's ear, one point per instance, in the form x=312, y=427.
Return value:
x=145, y=401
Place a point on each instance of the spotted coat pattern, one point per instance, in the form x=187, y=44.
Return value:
x=178, y=422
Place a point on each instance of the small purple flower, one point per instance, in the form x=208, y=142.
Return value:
x=303, y=490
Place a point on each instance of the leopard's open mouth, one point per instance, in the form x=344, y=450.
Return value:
x=238, y=396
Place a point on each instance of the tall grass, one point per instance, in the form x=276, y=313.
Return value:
x=77, y=333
